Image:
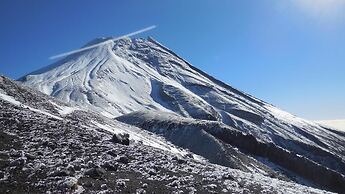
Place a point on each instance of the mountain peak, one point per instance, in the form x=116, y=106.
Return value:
x=136, y=75
x=97, y=41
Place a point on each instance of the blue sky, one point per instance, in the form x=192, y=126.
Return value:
x=290, y=53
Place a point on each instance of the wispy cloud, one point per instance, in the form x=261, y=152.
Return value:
x=102, y=43
x=324, y=10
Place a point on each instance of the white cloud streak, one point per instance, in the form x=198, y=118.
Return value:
x=103, y=43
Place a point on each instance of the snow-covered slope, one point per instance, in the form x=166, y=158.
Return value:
x=140, y=74
x=50, y=107
x=47, y=146
x=337, y=124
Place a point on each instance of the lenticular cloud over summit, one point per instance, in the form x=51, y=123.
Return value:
x=102, y=43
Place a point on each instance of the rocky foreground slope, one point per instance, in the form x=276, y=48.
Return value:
x=138, y=81
x=50, y=147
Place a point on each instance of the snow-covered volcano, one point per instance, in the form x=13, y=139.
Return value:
x=141, y=75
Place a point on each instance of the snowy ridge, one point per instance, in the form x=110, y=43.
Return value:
x=132, y=75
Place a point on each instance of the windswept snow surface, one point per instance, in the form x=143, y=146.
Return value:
x=131, y=75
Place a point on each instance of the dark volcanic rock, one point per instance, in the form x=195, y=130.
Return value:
x=95, y=173
x=123, y=159
x=110, y=165
x=112, y=153
x=121, y=138
x=61, y=173
x=19, y=162
x=179, y=160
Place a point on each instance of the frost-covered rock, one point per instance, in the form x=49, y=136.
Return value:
x=69, y=183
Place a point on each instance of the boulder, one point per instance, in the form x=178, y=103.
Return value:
x=110, y=165
x=123, y=159
x=19, y=162
x=121, y=138
x=69, y=183
x=95, y=173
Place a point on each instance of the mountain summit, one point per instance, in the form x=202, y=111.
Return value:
x=142, y=83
